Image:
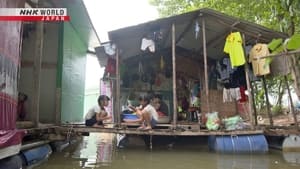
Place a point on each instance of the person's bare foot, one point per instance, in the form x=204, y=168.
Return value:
x=142, y=127
x=148, y=128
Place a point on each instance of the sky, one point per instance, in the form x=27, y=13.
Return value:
x=108, y=15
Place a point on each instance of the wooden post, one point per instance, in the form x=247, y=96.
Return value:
x=37, y=66
x=205, y=65
x=250, y=96
x=174, y=77
x=291, y=101
x=253, y=104
x=118, y=105
x=267, y=100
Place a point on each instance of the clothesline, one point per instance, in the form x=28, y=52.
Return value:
x=279, y=54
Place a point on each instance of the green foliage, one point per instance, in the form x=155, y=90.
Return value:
x=281, y=15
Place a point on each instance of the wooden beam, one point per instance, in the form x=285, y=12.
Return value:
x=38, y=53
x=248, y=83
x=118, y=105
x=267, y=101
x=205, y=64
x=174, y=78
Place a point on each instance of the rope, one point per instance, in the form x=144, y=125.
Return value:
x=69, y=132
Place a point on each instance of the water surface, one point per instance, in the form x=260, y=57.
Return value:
x=98, y=151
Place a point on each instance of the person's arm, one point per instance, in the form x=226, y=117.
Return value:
x=102, y=116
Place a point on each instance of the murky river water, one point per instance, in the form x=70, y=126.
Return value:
x=98, y=151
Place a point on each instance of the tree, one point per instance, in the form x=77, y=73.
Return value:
x=281, y=15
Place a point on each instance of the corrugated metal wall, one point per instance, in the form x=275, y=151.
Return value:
x=10, y=33
x=73, y=76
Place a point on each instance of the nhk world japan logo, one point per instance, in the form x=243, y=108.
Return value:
x=34, y=14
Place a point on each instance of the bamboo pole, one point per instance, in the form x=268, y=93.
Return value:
x=205, y=65
x=267, y=100
x=250, y=96
x=37, y=67
x=118, y=106
x=174, y=78
x=291, y=101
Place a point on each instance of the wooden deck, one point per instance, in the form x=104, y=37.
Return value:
x=281, y=131
x=159, y=132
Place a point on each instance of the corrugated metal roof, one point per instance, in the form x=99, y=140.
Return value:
x=218, y=26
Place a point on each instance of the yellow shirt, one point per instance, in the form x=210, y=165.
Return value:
x=260, y=66
x=234, y=48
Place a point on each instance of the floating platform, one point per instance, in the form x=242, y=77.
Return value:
x=181, y=131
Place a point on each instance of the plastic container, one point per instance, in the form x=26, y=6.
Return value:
x=239, y=144
x=130, y=116
x=37, y=154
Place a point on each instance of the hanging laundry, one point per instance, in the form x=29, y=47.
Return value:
x=148, y=44
x=234, y=48
x=111, y=66
x=260, y=65
x=231, y=94
x=197, y=29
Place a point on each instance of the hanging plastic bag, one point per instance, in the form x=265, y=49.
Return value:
x=213, y=121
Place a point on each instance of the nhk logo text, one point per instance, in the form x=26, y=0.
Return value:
x=46, y=14
x=43, y=12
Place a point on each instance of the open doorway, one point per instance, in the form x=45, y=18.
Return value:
x=92, y=82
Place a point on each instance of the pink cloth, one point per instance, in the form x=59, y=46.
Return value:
x=11, y=137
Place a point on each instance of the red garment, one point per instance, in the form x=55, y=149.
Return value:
x=111, y=66
x=160, y=114
x=244, y=97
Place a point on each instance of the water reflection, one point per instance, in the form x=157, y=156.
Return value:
x=258, y=161
x=291, y=157
x=95, y=150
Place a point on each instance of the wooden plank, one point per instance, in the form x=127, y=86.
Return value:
x=117, y=104
x=281, y=132
x=24, y=124
x=38, y=53
x=161, y=132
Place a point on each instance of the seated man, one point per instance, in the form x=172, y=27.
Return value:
x=97, y=114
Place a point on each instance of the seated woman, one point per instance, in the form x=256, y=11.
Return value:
x=97, y=114
x=147, y=115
